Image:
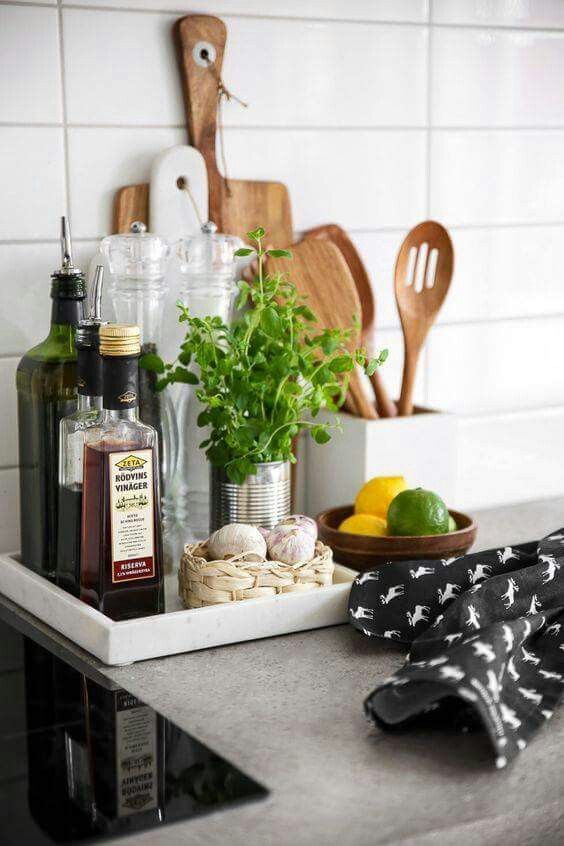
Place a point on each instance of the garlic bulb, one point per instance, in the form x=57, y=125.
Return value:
x=299, y=521
x=290, y=545
x=264, y=532
x=236, y=539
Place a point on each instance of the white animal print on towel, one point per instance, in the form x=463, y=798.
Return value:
x=420, y=614
x=454, y=673
x=363, y=613
x=392, y=593
x=473, y=617
x=366, y=577
x=421, y=571
x=392, y=633
x=482, y=571
x=509, y=716
x=530, y=694
x=554, y=629
x=448, y=593
x=452, y=638
x=508, y=638
x=552, y=566
x=535, y=605
x=512, y=671
x=530, y=657
x=468, y=694
x=438, y=621
x=505, y=555
x=483, y=650
x=446, y=562
x=547, y=674
x=512, y=589
x=547, y=714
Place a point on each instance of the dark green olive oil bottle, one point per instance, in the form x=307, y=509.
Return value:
x=47, y=391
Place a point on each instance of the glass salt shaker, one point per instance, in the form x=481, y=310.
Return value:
x=138, y=292
x=207, y=266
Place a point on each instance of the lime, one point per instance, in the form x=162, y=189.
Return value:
x=364, y=524
x=375, y=496
x=452, y=527
x=417, y=512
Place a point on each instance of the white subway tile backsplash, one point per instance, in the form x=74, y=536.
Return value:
x=108, y=54
x=8, y=413
x=25, y=304
x=10, y=510
x=355, y=10
x=486, y=177
x=295, y=70
x=506, y=272
x=359, y=178
x=379, y=251
x=517, y=69
x=103, y=160
x=517, y=13
x=502, y=366
x=33, y=182
x=33, y=96
x=326, y=74
x=510, y=458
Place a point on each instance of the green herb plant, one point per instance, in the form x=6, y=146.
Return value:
x=266, y=377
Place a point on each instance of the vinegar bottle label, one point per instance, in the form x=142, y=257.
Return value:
x=132, y=508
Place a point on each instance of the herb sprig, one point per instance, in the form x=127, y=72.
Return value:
x=264, y=378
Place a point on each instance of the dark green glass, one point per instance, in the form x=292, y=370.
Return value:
x=47, y=392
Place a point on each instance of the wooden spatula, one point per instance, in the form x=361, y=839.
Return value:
x=422, y=278
x=319, y=272
x=337, y=235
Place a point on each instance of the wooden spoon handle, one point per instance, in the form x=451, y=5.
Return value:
x=365, y=408
x=405, y=403
x=386, y=406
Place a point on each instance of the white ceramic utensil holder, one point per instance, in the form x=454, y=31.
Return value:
x=422, y=447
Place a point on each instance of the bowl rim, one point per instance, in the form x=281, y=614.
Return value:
x=351, y=537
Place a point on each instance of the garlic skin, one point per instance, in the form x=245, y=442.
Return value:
x=236, y=539
x=290, y=545
x=299, y=521
x=264, y=532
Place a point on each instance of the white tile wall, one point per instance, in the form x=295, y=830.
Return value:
x=377, y=114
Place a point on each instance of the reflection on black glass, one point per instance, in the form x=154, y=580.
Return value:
x=101, y=763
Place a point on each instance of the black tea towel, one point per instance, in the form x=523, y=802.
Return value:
x=486, y=633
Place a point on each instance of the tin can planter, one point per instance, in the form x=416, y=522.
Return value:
x=262, y=500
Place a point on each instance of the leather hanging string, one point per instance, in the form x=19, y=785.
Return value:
x=223, y=94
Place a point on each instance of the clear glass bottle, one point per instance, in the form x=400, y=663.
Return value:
x=121, y=564
x=137, y=291
x=207, y=267
x=71, y=447
x=46, y=388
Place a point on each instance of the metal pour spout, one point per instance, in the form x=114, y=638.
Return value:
x=96, y=310
x=67, y=266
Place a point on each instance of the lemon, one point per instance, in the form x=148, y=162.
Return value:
x=452, y=527
x=375, y=496
x=364, y=524
x=417, y=512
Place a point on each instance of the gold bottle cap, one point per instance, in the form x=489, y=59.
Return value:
x=118, y=339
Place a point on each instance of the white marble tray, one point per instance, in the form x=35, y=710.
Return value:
x=178, y=630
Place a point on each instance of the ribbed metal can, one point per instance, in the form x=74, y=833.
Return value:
x=262, y=500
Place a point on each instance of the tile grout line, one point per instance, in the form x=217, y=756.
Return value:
x=233, y=127
x=428, y=174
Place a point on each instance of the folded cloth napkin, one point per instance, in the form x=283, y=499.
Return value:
x=486, y=633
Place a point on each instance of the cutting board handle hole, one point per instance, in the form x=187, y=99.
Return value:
x=181, y=183
x=204, y=54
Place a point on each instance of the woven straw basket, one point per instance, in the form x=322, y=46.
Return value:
x=203, y=582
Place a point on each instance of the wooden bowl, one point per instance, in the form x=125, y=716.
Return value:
x=362, y=552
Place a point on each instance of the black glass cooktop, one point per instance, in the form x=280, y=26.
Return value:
x=82, y=759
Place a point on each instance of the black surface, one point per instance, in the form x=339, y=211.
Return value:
x=62, y=738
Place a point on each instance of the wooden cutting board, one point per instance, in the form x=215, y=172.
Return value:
x=236, y=206
x=320, y=273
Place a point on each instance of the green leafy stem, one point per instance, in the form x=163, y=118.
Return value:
x=266, y=377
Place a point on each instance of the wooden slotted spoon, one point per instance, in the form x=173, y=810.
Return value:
x=422, y=278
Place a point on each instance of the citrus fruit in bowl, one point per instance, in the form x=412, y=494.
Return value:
x=417, y=512
x=375, y=496
x=364, y=524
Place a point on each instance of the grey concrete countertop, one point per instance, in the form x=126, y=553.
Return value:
x=288, y=711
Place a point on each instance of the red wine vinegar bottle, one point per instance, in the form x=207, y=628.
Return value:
x=121, y=571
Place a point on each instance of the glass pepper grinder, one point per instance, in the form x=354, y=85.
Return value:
x=207, y=267
x=138, y=293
